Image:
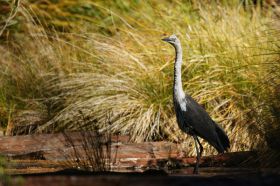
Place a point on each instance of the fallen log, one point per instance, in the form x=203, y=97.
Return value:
x=86, y=150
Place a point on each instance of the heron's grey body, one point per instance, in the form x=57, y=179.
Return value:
x=191, y=117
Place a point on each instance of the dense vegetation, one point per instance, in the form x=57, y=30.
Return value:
x=70, y=63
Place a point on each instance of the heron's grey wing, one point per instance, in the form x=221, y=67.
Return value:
x=203, y=126
x=198, y=119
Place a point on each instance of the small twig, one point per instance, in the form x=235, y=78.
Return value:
x=11, y=16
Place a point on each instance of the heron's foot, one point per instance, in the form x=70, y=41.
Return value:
x=195, y=170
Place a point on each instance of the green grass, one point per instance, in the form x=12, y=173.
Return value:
x=110, y=59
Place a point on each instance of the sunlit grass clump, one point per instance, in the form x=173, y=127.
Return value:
x=56, y=81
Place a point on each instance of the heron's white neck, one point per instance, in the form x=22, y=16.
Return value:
x=178, y=89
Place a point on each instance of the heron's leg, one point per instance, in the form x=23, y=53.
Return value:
x=195, y=170
x=200, y=146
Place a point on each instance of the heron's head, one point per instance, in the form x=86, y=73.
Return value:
x=173, y=40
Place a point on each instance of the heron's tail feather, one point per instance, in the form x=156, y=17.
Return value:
x=223, y=143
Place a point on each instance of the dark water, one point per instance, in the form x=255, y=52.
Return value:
x=212, y=176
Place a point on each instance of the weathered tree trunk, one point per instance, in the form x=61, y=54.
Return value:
x=88, y=150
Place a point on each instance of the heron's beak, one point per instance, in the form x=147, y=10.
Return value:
x=166, y=39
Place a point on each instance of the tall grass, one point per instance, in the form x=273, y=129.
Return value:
x=114, y=62
x=94, y=155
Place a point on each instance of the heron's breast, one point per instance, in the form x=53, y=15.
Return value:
x=181, y=120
